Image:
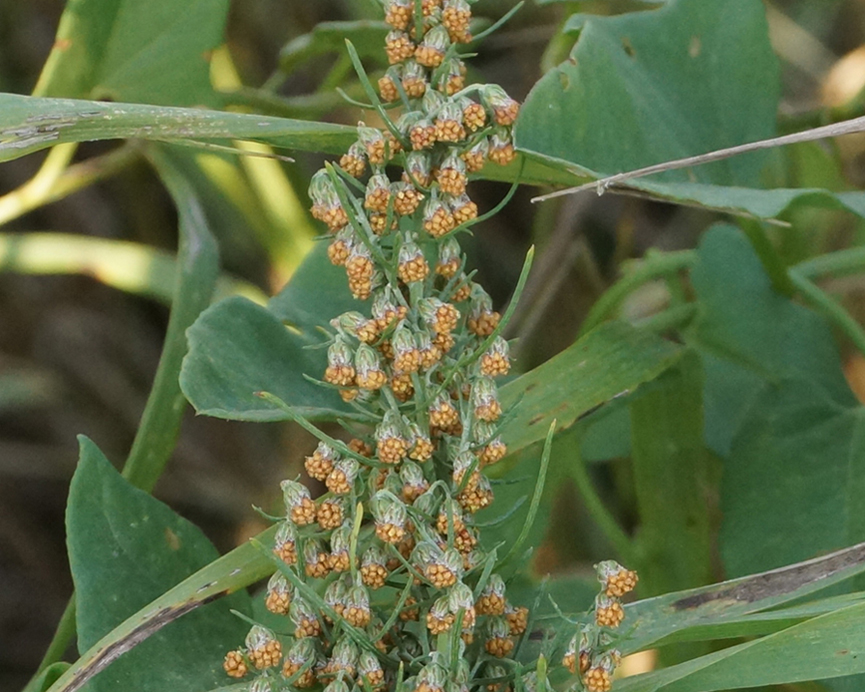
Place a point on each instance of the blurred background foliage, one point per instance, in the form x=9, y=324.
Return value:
x=78, y=356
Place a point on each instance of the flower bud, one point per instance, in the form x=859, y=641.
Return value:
x=460, y=598
x=369, y=669
x=456, y=16
x=278, y=594
x=517, y=618
x=340, y=544
x=504, y=108
x=414, y=483
x=485, y=400
x=398, y=13
x=377, y=195
x=235, y=665
x=414, y=79
x=357, y=611
x=492, y=598
x=501, y=148
x=451, y=175
x=451, y=76
x=616, y=579
x=298, y=504
x=449, y=123
x=373, y=142
x=391, y=445
x=390, y=517
x=387, y=84
x=439, y=618
x=301, y=654
x=353, y=161
x=306, y=623
x=285, y=543
x=418, y=168
x=340, y=480
x=463, y=210
x=608, y=611
x=438, y=220
x=373, y=570
x=495, y=361
x=498, y=642
x=370, y=374
x=339, y=370
x=263, y=647
x=412, y=264
x=432, y=49
x=398, y=46
x=422, y=135
x=315, y=558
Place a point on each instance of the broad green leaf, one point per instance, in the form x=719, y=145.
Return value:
x=671, y=617
x=317, y=292
x=827, y=646
x=238, y=348
x=795, y=479
x=236, y=570
x=609, y=361
x=146, y=52
x=125, y=550
x=647, y=87
x=750, y=335
x=673, y=487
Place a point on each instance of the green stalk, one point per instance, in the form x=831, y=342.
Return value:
x=198, y=262
x=652, y=267
x=831, y=308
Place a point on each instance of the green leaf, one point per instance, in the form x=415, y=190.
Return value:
x=795, y=479
x=609, y=361
x=750, y=335
x=147, y=52
x=125, y=550
x=707, y=609
x=47, y=677
x=318, y=292
x=28, y=124
x=647, y=87
x=672, y=481
x=238, y=348
x=329, y=37
x=827, y=646
x=198, y=267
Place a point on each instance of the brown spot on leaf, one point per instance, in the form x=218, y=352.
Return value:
x=695, y=47
x=777, y=582
x=172, y=539
x=62, y=44
x=626, y=45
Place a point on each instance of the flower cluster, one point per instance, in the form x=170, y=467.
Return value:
x=590, y=654
x=385, y=572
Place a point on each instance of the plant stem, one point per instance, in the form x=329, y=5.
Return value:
x=833, y=310
x=841, y=263
x=653, y=267
x=599, y=512
x=63, y=635
x=56, y=179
